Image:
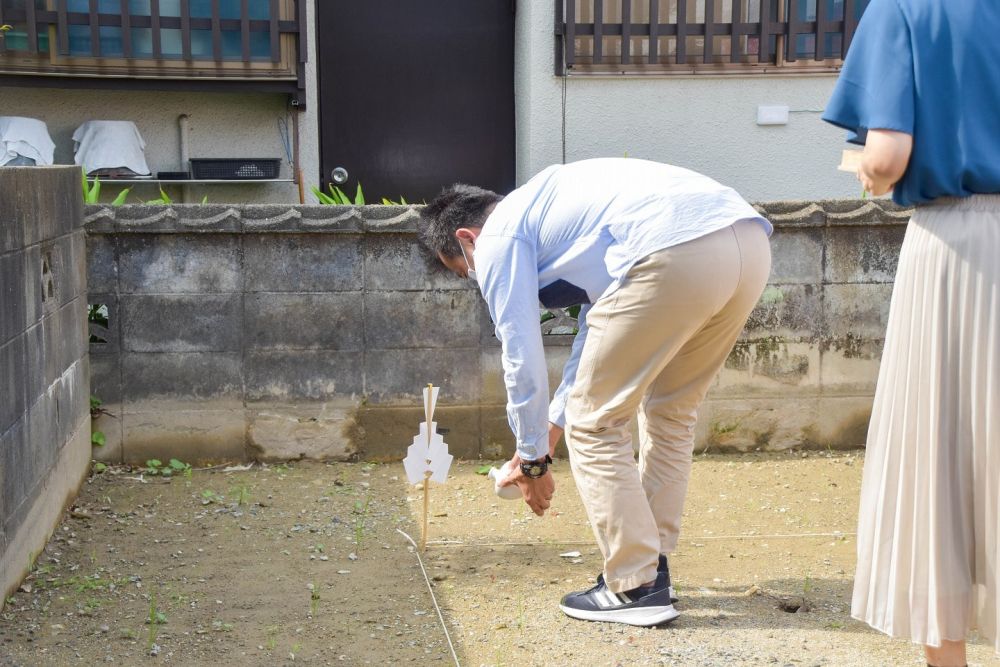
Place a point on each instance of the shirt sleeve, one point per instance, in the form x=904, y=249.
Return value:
x=508, y=277
x=557, y=408
x=876, y=88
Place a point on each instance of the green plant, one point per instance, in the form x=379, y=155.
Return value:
x=92, y=193
x=99, y=467
x=154, y=620
x=360, y=513
x=209, y=496
x=389, y=202
x=204, y=200
x=483, y=470
x=313, y=599
x=337, y=197
x=242, y=493
x=173, y=467
x=164, y=199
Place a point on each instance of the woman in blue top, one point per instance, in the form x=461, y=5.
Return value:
x=921, y=90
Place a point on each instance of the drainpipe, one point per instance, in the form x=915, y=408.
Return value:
x=182, y=123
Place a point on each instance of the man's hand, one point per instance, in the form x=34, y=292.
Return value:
x=537, y=492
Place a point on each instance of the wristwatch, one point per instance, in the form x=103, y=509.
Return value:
x=536, y=469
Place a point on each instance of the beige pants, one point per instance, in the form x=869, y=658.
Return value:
x=655, y=345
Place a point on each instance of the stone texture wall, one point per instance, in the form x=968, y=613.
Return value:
x=277, y=332
x=44, y=372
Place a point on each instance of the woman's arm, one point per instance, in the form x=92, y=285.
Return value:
x=887, y=153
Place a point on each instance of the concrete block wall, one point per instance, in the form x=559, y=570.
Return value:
x=279, y=331
x=44, y=370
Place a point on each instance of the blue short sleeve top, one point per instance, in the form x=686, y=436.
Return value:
x=930, y=69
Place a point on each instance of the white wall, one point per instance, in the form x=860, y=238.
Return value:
x=220, y=125
x=704, y=123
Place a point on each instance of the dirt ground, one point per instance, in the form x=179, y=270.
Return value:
x=303, y=564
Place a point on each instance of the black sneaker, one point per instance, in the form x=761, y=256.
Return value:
x=661, y=566
x=645, y=605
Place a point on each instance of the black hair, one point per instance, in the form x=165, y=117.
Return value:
x=457, y=206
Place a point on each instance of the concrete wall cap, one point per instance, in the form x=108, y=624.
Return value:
x=183, y=218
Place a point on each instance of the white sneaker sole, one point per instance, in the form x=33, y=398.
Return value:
x=642, y=616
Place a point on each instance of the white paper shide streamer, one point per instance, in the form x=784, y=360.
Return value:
x=427, y=458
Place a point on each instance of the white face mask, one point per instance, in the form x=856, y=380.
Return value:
x=470, y=272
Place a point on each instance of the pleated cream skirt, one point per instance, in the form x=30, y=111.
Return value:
x=930, y=497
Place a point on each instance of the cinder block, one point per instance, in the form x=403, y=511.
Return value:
x=856, y=313
x=797, y=256
x=497, y=438
x=186, y=377
x=769, y=366
x=289, y=321
x=73, y=323
x=399, y=376
x=493, y=388
x=102, y=264
x=43, y=433
x=851, y=370
x=399, y=262
x=106, y=377
x=302, y=262
x=57, y=258
x=76, y=266
x=194, y=436
x=13, y=295
x=388, y=431
x=310, y=431
x=181, y=323
x=421, y=320
x=13, y=451
x=776, y=424
x=13, y=381
x=79, y=393
x=178, y=264
x=11, y=227
x=303, y=375
x=790, y=312
x=863, y=254
x=37, y=359
x=33, y=285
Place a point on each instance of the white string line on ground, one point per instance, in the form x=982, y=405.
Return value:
x=444, y=626
x=567, y=543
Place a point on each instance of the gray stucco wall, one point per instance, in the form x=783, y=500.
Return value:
x=219, y=125
x=44, y=371
x=279, y=332
x=703, y=122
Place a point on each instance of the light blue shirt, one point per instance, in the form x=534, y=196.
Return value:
x=928, y=68
x=569, y=236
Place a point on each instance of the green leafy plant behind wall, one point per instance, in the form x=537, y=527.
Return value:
x=337, y=197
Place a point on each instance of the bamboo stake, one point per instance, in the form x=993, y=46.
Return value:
x=428, y=414
x=423, y=533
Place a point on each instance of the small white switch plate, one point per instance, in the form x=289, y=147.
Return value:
x=772, y=114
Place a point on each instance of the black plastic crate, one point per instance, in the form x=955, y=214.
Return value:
x=235, y=168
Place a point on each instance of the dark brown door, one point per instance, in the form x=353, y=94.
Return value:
x=416, y=94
